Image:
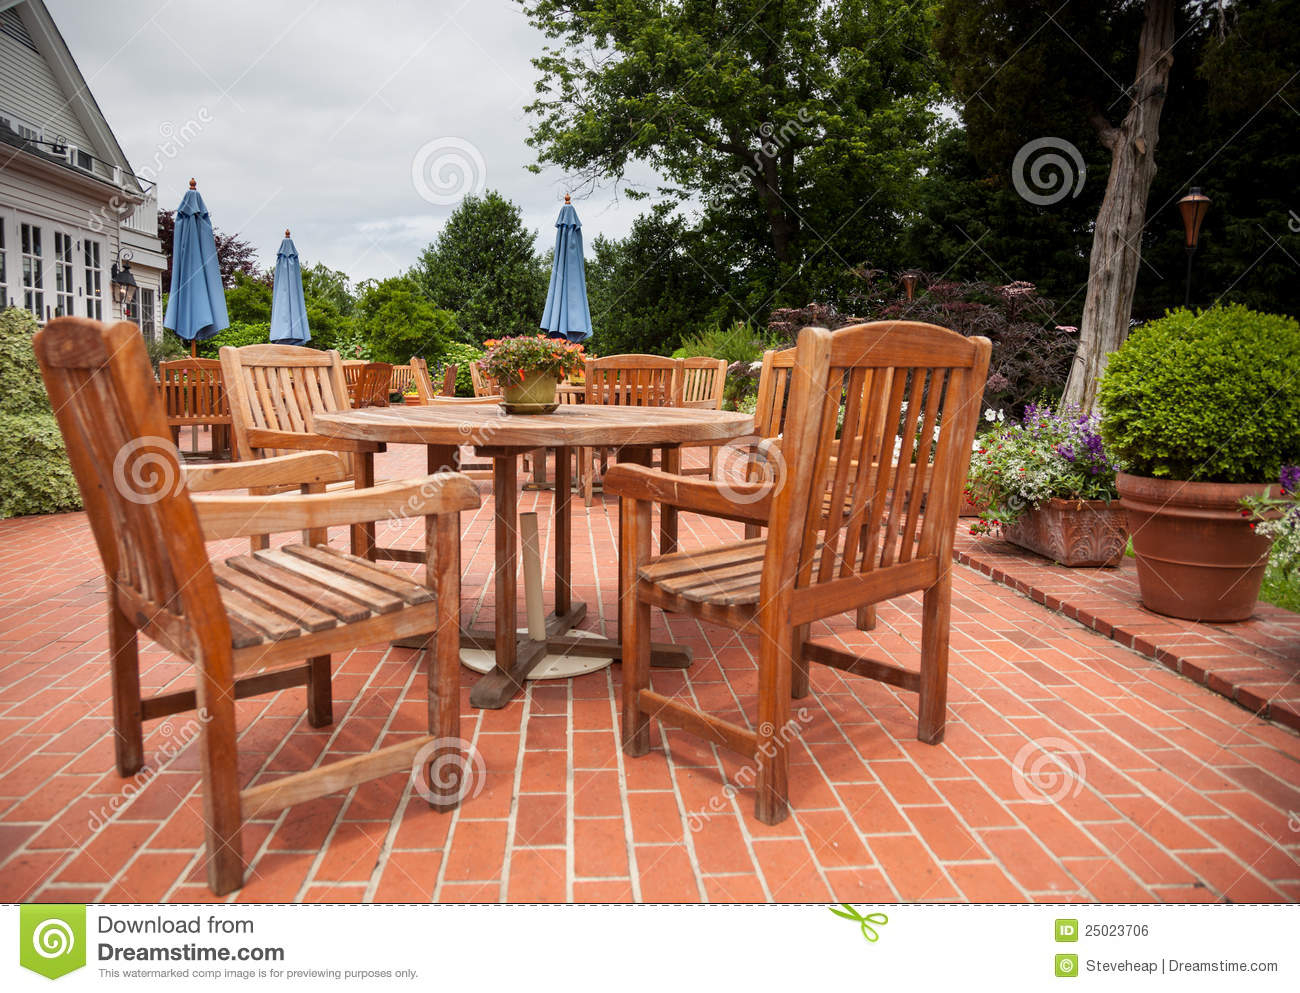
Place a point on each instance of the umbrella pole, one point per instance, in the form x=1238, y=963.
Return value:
x=194, y=349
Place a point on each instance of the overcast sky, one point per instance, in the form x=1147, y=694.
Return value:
x=358, y=125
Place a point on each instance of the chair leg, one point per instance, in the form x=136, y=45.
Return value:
x=441, y=655
x=634, y=615
x=219, y=768
x=866, y=618
x=671, y=460
x=798, y=664
x=587, y=456
x=320, y=700
x=772, y=805
x=124, y=659
x=936, y=616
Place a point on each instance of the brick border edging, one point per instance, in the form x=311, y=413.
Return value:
x=1281, y=711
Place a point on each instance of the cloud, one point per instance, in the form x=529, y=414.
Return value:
x=307, y=115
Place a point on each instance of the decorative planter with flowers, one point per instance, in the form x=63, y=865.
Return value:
x=1204, y=409
x=528, y=369
x=1049, y=486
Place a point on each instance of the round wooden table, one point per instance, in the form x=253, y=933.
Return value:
x=633, y=431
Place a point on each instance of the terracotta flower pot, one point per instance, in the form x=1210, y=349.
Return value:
x=537, y=390
x=411, y=399
x=1075, y=533
x=1197, y=557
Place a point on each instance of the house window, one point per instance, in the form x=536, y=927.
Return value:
x=94, y=280
x=145, y=297
x=33, y=271
x=63, y=292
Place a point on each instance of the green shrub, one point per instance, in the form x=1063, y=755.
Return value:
x=736, y=342
x=21, y=388
x=1211, y=396
x=35, y=477
x=166, y=348
x=237, y=335
x=460, y=356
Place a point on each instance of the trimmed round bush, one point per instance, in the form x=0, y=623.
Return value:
x=1212, y=396
x=237, y=335
x=460, y=355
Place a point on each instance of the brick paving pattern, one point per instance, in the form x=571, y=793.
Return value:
x=1074, y=768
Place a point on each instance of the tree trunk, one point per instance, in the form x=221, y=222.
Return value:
x=1117, y=238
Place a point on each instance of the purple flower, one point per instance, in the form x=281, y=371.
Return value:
x=1290, y=479
x=1066, y=452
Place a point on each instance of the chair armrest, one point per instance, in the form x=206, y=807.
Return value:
x=262, y=438
x=746, y=502
x=242, y=516
x=282, y=470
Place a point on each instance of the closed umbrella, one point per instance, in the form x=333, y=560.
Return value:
x=567, y=314
x=196, y=305
x=288, y=306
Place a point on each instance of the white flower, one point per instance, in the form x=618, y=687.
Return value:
x=990, y=415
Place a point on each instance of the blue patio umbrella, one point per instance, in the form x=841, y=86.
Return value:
x=567, y=314
x=288, y=307
x=196, y=305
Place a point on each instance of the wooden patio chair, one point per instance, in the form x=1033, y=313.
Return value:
x=835, y=540
x=193, y=396
x=424, y=383
x=247, y=624
x=631, y=381
x=703, y=381
x=368, y=383
x=274, y=392
x=484, y=385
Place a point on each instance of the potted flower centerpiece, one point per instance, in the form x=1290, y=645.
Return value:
x=528, y=369
x=1204, y=410
x=1048, y=485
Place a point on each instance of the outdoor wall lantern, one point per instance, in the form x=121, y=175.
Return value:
x=1193, y=207
x=124, y=284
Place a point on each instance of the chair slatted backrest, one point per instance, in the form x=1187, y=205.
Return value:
x=106, y=401
x=281, y=388
x=879, y=425
x=192, y=390
x=401, y=377
x=634, y=380
x=484, y=385
x=703, y=381
x=773, y=392
x=369, y=388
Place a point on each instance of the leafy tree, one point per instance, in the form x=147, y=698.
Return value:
x=647, y=291
x=234, y=254
x=484, y=267
x=248, y=298
x=397, y=321
x=799, y=124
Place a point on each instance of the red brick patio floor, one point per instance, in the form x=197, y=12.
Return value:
x=1073, y=769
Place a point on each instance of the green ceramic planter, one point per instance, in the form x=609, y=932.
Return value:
x=537, y=390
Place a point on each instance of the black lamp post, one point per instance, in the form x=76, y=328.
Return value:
x=1193, y=207
x=123, y=283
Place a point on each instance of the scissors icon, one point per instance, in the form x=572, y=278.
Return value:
x=852, y=914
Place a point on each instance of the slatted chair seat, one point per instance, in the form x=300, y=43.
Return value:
x=295, y=590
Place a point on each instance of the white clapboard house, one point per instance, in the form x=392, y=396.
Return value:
x=78, y=229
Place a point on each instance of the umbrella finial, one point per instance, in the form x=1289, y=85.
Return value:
x=566, y=198
x=286, y=232
x=193, y=185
